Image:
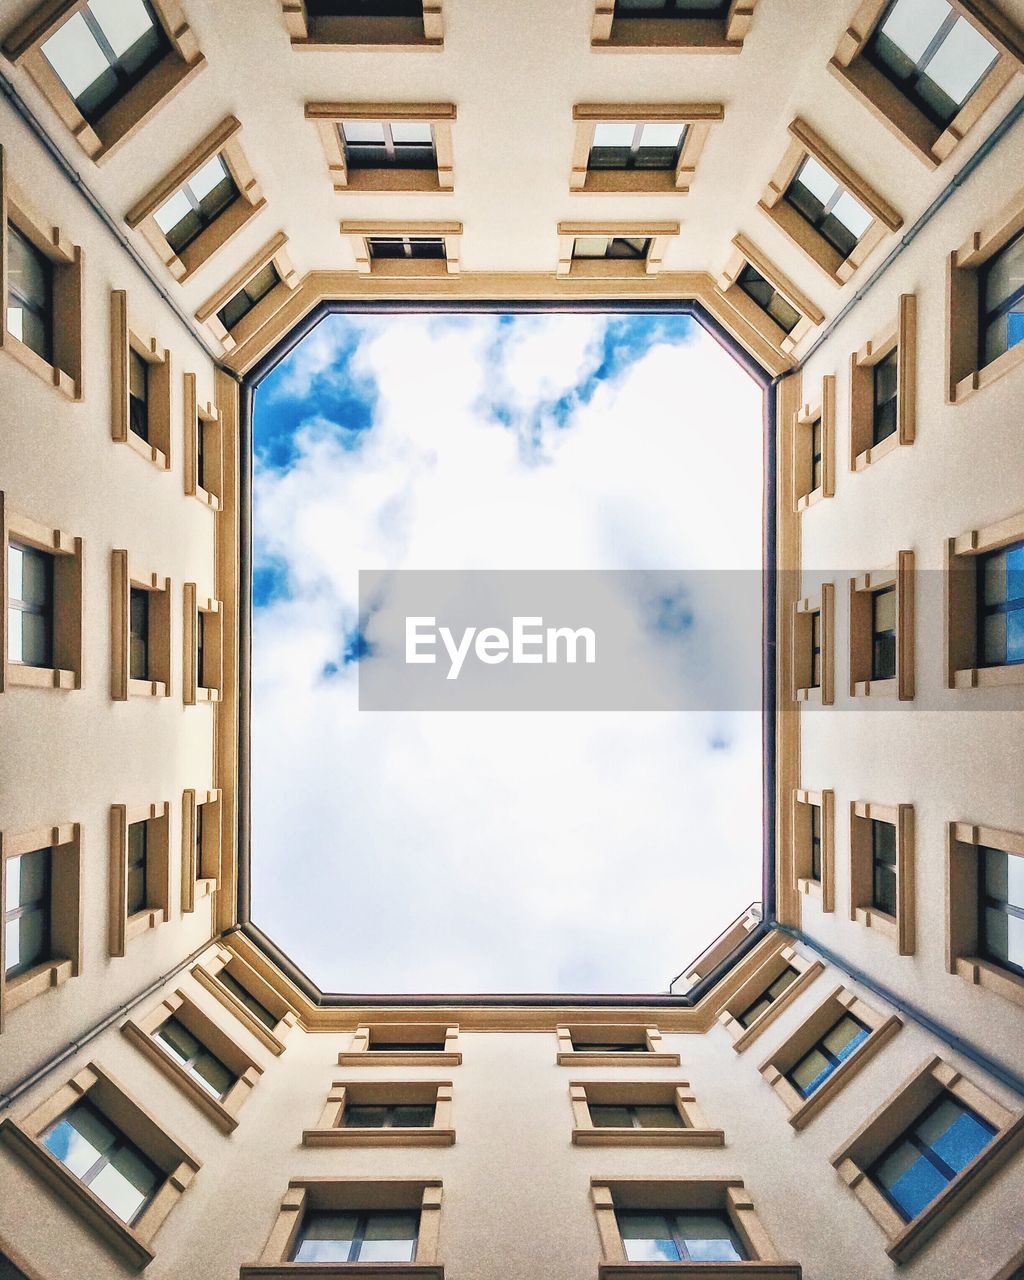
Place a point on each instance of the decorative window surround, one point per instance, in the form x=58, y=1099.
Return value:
x=744, y=252
x=329, y=116
x=658, y=233
x=841, y=1001
x=862, y=589
x=332, y=1132
x=197, y=686
x=124, y=927
x=134, y=1244
x=900, y=928
x=68, y=598
x=222, y=1111
x=962, y=845
x=756, y=984
x=824, y=890
x=157, y=449
x=805, y=691
x=66, y=259
x=724, y=1195
x=274, y=251
x=130, y=112
x=856, y=1156
x=901, y=338
x=125, y=575
x=361, y=1052
x=65, y=960
x=200, y=867
x=367, y=34
x=358, y=233
x=694, y=1133
x=341, y=1194
x=724, y=945
x=698, y=119
x=694, y=35
x=203, y=430
x=806, y=143
x=823, y=412
x=961, y=606
x=930, y=142
x=224, y=142
x=651, y=1055
x=222, y=960
x=965, y=372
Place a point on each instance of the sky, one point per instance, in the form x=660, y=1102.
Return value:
x=530, y=851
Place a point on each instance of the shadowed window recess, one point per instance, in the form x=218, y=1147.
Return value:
x=375, y=1236
x=138, y=394
x=828, y=1054
x=815, y=842
x=1001, y=908
x=30, y=606
x=883, y=634
x=885, y=378
x=639, y=1116
x=768, y=997
x=671, y=8
x=406, y=247
x=1001, y=293
x=27, y=911
x=393, y=1116
x=691, y=1235
x=1000, y=606
x=883, y=866
x=247, y=297
x=401, y=144
x=105, y=1160
x=138, y=866
x=625, y=145
x=196, y=204
x=201, y=1063
x=258, y=1010
x=768, y=298
x=138, y=626
x=29, y=294
x=634, y=248
x=828, y=206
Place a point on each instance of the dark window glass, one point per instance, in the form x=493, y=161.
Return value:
x=199, y=838
x=104, y=50
x=431, y=247
x=816, y=649
x=29, y=606
x=827, y=206
x=383, y=144
x=93, y=1149
x=597, y=1046
x=625, y=145
x=196, y=204
x=201, y=429
x=1001, y=908
x=635, y=1116
x=8, y=1271
x=587, y=248
x=258, y=1010
x=138, y=394
x=364, y=8
x=393, y=1116
x=768, y=997
x=883, y=634
x=375, y=1236
x=138, y=854
x=689, y=1235
x=29, y=294
x=933, y=54
x=201, y=1063
x=1001, y=294
x=929, y=1154
x=815, y=842
x=671, y=8
x=883, y=866
x=27, y=911
x=830, y=1052
x=817, y=465
x=767, y=297
x=1000, y=606
x=885, y=378
x=138, y=646
x=245, y=299
x=406, y=1046
x=201, y=674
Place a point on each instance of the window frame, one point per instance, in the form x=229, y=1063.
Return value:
x=361, y=1053
x=960, y=615
x=658, y=234
x=328, y=118
x=200, y=867
x=855, y=1157
x=748, y=993
x=805, y=144
x=203, y=428
x=129, y=112
x=745, y=253
x=123, y=928
x=133, y=1244
x=929, y=142
x=194, y=692
x=223, y=141
x=963, y=952
x=366, y=34
x=124, y=340
x=609, y=33
x=359, y=233
x=330, y=1130
x=652, y=1055
x=785, y=1056
x=862, y=592
x=694, y=1132
x=821, y=411
x=275, y=252
x=901, y=338
x=207, y=972
x=65, y=845
x=697, y=117
x=901, y=927
x=823, y=605
x=125, y=575
x=823, y=890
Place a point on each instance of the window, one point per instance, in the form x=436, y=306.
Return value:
x=138, y=661
x=713, y=26
x=781, y=313
x=197, y=204
x=1000, y=578
x=140, y=880
x=141, y=636
x=985, y=606
x=650, y=147
x=252, y=295
x=29, y=605
x=389, y=24
x=200, y=846
x=814, y=845
x=27, y=911
x=772, y=987
x=415, y=249
x=882, y=871
x=985, y=908
x=885, y=382
x=1001, y=292
x=374, y=1236
x=387, y=146
x=817, y=455
x=248, y=996
x=882, y=632
x=41, y=312
x=204, y=462
x=107, y=65
x=768, y=996
x=813, y=647
x=684, y=1236
x=928, y=69
x=245, y=997
x=202, y=647
x=141, y=388
x=813, y=1064
x=200, y=1063
x=379, y=1113
x=827, y=207
x=624, y=145
x=613, y=1045
x=639, y=1113
x=814, y=448
x=768, y=298
x=641, y=1116
x=403, y=1044
x=613, y=249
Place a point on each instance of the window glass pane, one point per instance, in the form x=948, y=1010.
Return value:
x=961, y=61
x=610, y=1117
x=754, y=1012
x=123, y=22
x=138, y=375
x=614, y=134
x=817, y=180
x=361, y=1117
x=911, y=1181
x=213, y=1074
x=35, y=640
x=74, y=54
x=178, y=1039
x=647, y=1237
x=955, y=1134
x=79, y=1138
x=412, y=131
x=785, y=316
x=844, y=1037
x=412, y=1117
x=883, y=835
x=651, y=1117
x=785, y=979
x=366, y=131
x=590, y=246
x=26, y=943
x=852, y=214
x=810, y=1071
x=709, y=1238
x=127, y=1183
x=912, y=24
x=138, y=655
x=28, y=878
x=1004, y=275
x=326, y=1237
x=36, y=571
x=390, y=1237
x=627, y=247
x=885, y=609
x=29, y=273
x=173, y=212
x=255, y=1007
x=15, y=571
x=208, y=177
x=661, y=135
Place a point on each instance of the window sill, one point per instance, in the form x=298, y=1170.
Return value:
x=876, y=688
x=235, y=218
x=49, y=373
x=877, y=451
x=122, y=1239
x=148, y=451
x=127, y=116
x=143, y=921
x=810, y=696
x=205, y=887
x=338, y=1271
x=207, y=498
x=147, y=689
x=370, y=1058
x=810, y=499
x=802, y=1115
x=705, y=1270
x=411, y=1137
x=262, y=1033
x=41, y=677
x=989, y=677
x=990, y=373
x=34, y=982
x=648, y=1137
x=984, y=973
x=207, y=695
x=633, y=182
x=872, y=918
x=397, y=181
x=810, y=888
x=660, y=1059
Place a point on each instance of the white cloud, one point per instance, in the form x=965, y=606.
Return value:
x=588, y=851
